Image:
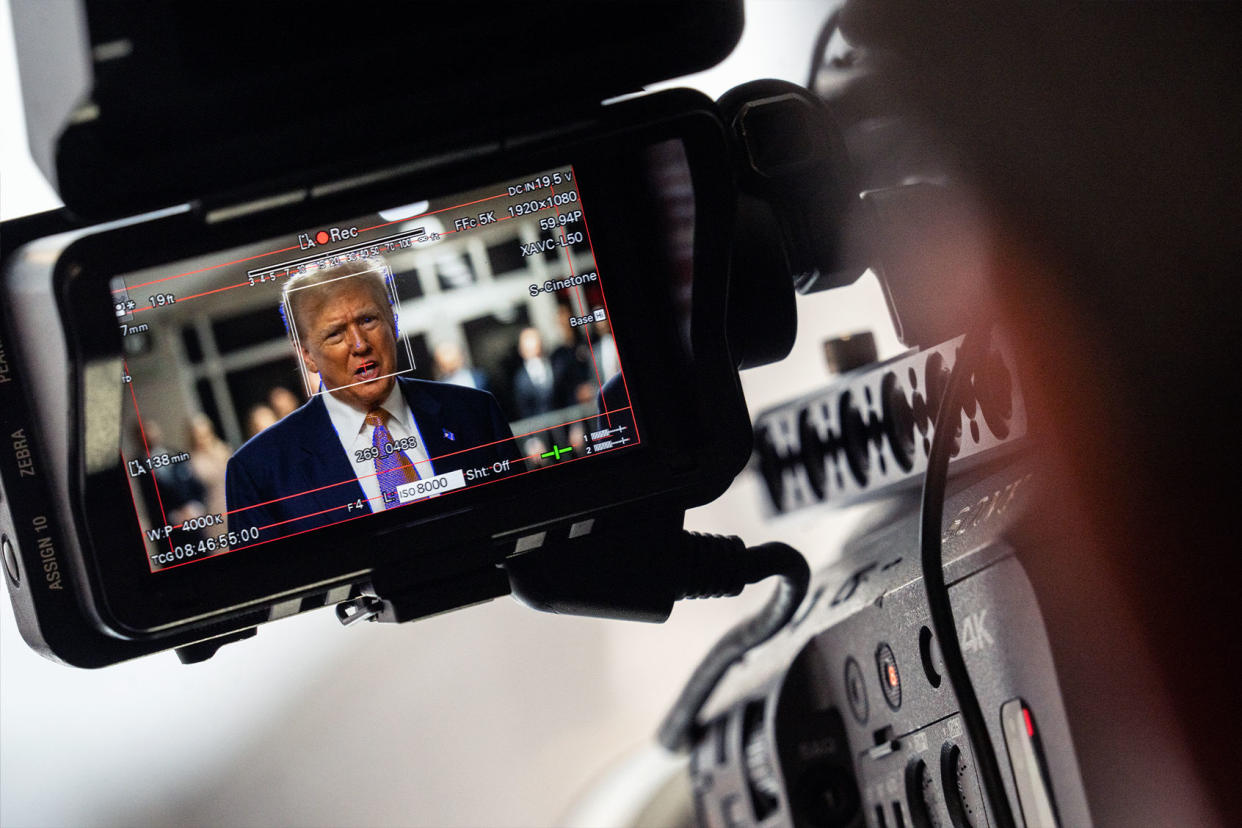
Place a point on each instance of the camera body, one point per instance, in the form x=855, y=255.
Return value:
x=88, y=446
x=607, y=224
x=841, y=718
x=847, y=718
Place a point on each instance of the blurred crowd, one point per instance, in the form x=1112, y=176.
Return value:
x=558, y=386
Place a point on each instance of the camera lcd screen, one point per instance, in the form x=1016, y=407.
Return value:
x=385, y=361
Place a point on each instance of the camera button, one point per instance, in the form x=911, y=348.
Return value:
x=856, y=690
x=890, y=679
x=10, y=561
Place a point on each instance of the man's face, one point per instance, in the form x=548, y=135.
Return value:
x=347, y=338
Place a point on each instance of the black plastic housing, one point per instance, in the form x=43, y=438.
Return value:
x=133, y=106
x=109, y=606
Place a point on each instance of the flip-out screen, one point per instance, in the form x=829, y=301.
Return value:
x=386, y=361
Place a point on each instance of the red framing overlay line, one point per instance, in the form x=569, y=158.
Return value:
x=433, y=212
x=299, y=247
x=247, y=283
x=381, y=497
x=138, y=518
x=195, y=296
x=146, y=448
x=569, y=261
x=431, y=460
x=128, y=288
x=604, y=298
x=371, y=514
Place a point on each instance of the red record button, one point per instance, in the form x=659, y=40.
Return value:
x=890, y=679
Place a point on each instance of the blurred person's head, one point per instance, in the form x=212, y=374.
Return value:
x=534, y=448
x=258, y=418
x=530, y=344
x=346, y=329
x=563, y=317
x=449, y=359
x=202, y=433
x=150, y=432
x=283, y=401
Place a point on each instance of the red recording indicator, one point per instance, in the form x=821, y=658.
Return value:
x=321, y=237
x=1030, y=728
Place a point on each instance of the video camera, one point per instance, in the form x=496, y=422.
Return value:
x=465, y=213
x=471, y=207
x=428, y=202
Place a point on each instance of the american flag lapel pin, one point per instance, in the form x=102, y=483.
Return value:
x=448, y=435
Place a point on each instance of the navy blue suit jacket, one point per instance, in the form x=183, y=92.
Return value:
x=294, y=475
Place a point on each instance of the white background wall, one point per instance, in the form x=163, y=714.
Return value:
x=497, y=715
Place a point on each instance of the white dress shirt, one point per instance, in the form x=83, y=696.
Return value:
x=540, y=372
x=356, y=434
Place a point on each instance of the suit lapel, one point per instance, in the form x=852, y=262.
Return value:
x=323, y=462
x=429, y=417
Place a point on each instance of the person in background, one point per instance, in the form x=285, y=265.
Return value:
x=571, y=362
x=605, y=350
x=451, y=367
x=282, y=401
x=208, y=457
x=171, y=491
x=534, y=382
x=258, y=418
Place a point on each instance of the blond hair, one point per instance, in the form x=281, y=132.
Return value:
x=373, y=271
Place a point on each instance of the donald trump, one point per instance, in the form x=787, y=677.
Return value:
x=367, y=432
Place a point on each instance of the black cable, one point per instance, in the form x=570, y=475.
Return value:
x=935, y=482
x=709, y=556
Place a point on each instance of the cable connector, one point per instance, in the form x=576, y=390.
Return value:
x=638, y=573
x=741, y=565
x=709, y=566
